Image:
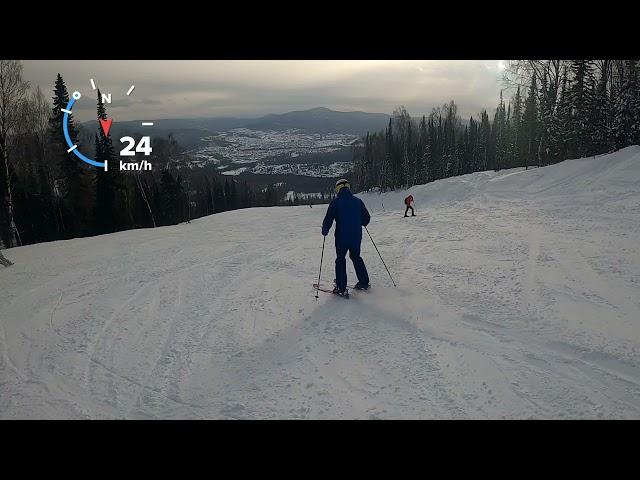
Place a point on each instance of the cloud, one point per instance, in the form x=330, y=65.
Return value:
x=173, y=89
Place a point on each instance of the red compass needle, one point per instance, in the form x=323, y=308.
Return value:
x=106, y=125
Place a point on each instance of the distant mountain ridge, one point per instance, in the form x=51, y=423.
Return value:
x=324, y=120
x=188, y=131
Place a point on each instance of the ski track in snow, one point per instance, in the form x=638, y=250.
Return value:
x=518, y=297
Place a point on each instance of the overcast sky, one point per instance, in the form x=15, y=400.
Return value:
x=250, y=88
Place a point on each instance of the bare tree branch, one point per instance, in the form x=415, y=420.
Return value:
x=13, y=91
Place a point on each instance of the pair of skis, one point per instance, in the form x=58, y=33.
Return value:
x=320, y=288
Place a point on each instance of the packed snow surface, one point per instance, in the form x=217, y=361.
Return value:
x=518, y=297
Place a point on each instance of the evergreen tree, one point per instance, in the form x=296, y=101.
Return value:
x=626, y=125
x=581, y=96
x=422, y=153
x=359, y=166
x=386, y=175
x=530, y=125
x=227, y=195
x=271, y=195
x=473, y=164
x=507, y=141
x=516, y=129
x=245, y=196
x=410, y=157
x=218, y=197
x=233, y=194
x=560, y=135
x=400, y=150
x=168, y=195
x=603, y=140
x=498, y=135
x=568, y=112
x=173, y=198
x=370, y=164
x=442, y=151
x=74, y=180
x=484, y=139
x=546, y=112
x=208, y=196
x=111, y=210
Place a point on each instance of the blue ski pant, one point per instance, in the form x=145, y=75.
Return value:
x=341, y=265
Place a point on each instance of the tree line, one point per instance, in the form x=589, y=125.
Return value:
x=559, y=109
x=48, y=194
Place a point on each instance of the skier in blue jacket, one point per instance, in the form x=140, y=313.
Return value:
x=350, y=215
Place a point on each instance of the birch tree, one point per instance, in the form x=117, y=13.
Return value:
x=13, y=93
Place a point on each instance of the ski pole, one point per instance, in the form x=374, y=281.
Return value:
x=385, y=265
x=320, y=272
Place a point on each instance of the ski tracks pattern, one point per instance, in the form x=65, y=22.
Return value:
x=497, y=314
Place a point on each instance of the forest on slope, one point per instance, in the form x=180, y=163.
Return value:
x=560, y=110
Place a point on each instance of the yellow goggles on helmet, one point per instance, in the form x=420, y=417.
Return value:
x=342, y=185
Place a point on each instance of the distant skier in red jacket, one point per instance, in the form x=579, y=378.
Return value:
x=409, y=203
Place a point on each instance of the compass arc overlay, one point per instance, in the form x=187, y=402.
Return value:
x=65, y=129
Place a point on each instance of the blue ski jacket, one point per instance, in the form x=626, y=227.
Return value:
x=350, y=215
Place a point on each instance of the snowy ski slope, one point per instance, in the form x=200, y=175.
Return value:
x=518, y=297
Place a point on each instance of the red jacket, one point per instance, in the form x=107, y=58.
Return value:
x=408, y=200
